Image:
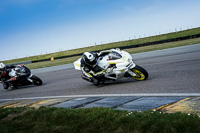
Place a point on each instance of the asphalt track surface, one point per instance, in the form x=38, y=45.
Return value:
x=171, y=71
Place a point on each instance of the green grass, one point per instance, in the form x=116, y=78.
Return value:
x=163, y=46
x=132, y=50
x=110, y=45
x=94, y=120
x=52, y=63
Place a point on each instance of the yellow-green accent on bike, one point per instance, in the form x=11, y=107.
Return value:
x=89, y=74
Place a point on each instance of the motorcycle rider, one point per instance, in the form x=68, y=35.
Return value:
x=5, y=75
x=89, y=66
x=91, y=71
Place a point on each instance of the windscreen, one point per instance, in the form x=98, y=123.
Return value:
x=22, y=70
x=114, y=55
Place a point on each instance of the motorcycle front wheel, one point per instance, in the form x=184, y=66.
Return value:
x=141, y=73
x=36, y=81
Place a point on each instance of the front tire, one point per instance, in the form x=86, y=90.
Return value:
x=141, y=73
x=36, y=80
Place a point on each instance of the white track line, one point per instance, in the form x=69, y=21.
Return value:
x=113, y=95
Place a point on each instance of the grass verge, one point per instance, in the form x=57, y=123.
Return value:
x=193, y=31
x=94, y=120
x=132, y=50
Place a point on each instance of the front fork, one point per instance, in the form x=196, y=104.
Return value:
x=131, y=73
x=131, y=66
x=29, y=78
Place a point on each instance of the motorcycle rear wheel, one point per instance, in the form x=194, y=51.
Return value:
x=141, y=73
x=36, y=81
x=5, y=84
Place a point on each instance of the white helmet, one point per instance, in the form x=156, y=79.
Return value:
x=90, y=58
x=2, y=67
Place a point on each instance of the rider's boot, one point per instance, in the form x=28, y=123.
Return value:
x=12, y=82
x=95, y=81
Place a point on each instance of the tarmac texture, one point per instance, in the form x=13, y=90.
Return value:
x=173, y=77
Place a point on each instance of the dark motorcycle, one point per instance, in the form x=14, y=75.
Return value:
x=24, y=77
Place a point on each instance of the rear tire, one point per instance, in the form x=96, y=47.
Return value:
x=36, y=81
x=141, y=73
x=95, y=81
x=5, y=84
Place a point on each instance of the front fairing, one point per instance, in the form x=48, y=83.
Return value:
x=22, y=71
x=117, y=67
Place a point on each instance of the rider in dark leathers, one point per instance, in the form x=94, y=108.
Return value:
x=91, y=71
x=4, y=75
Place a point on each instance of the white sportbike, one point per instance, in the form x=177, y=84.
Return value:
x=116, y=64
